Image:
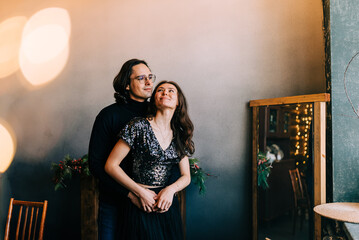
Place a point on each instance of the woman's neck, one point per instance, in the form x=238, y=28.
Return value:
x=163, y=119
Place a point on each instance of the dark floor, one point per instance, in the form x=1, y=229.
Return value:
x=281, y=228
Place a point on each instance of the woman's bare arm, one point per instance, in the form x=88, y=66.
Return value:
x=165, y=196
x=113, y=168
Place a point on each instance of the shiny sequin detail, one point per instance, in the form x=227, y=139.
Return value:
x=151, y=164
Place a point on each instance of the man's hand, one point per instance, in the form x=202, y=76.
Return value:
x=134, y=199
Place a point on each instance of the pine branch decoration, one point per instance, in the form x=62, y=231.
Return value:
x=263, y=170
x=67, y=167
x=198, y=176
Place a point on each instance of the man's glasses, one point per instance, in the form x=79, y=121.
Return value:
x=142, y=78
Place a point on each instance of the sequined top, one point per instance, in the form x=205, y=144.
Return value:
x=151, y=164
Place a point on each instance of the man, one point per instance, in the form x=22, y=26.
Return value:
x=133, y=86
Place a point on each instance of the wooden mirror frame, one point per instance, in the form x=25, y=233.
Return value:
x=319, y=154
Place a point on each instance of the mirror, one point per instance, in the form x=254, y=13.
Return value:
x=285, y=138
x=288, y=138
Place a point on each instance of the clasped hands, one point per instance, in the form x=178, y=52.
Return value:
x=149, y=201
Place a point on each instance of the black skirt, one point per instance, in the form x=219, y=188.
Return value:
x=136, y=224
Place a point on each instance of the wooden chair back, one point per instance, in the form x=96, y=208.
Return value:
x=298, y=188
x=27, y=227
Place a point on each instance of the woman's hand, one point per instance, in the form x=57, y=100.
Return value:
x=164, y=199
x=165, y=196
x=147, y=199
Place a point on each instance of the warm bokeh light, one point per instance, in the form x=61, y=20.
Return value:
x=10, y=40
x=7, y=146
x=45, y=45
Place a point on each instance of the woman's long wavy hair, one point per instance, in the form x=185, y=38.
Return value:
x=123, y=79
x=181, y=124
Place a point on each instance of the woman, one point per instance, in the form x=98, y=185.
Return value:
x=158, y=143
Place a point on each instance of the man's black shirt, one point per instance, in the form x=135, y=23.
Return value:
x=108, y=124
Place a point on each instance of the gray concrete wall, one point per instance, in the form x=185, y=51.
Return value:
x=344, y=39
x=223, y=54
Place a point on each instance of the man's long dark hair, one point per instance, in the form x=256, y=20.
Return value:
x=181, y=124
x=123, y=79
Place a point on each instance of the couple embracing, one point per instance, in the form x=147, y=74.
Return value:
x=139, y=152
